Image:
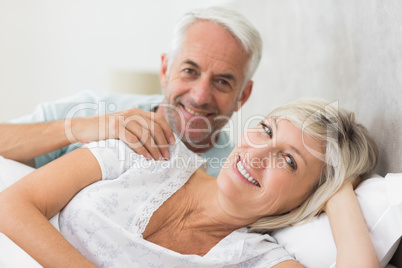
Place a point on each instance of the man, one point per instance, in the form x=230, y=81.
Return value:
x=206, y=76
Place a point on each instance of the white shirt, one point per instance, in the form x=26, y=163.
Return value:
x=105, y=221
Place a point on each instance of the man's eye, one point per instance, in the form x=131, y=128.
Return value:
x=267, y=129
x=289, y=160
x=223, y=82
x=189, y=71
x=223, y=85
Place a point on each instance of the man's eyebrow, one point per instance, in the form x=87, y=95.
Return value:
x=228, y=77
x=192, y=63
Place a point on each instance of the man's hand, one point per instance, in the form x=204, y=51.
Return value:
x=147, y=133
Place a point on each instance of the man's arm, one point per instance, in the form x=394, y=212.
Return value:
x=24, y=142
x=27, y=205
x=147, y=133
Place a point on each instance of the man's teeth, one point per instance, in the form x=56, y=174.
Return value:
x=194, y=113
x=246, y=175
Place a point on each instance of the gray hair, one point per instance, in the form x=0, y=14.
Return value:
x=230, y=20
x=350, y=155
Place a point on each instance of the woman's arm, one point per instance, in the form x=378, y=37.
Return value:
x=288, y=264
x=352, y=239
x=26, y=206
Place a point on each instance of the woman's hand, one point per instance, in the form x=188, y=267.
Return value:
x=345, y=191
x=352, y=238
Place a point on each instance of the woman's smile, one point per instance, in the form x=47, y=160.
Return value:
x=243, y=169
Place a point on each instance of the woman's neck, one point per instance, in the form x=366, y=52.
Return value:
x=192, y=220
x=195, y=208
x=202, y=208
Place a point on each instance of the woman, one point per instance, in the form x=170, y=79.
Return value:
x=118, y=213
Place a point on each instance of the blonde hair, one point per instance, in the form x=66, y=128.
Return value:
x=350, y=154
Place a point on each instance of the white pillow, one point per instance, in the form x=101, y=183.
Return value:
x=380, y=200
x=11, y=171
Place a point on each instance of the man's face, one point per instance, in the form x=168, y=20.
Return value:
x=204, y=84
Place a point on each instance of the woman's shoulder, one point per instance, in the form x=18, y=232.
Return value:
x=183, y=158
x=250, y=249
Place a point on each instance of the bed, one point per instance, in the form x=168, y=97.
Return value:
x=347, y=52
x=311, y=243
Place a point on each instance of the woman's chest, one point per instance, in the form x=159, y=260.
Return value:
x=127, y=202
x=170, y=227
x=186, y=242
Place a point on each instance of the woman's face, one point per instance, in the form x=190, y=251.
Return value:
x=270, y=171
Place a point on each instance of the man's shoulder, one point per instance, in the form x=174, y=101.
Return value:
x=114, y=101
x=224, y=144
x=87, y=103
x=217, y=155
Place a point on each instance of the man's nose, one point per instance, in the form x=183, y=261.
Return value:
x=202, y=92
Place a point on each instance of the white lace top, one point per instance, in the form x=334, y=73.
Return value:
x=105, y=221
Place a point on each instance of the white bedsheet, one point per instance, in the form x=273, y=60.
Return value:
x=12, y=256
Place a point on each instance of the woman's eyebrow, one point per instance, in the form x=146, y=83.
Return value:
x=299, y=153
x=294, y=149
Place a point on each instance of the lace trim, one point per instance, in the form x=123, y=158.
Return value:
x=166, y=190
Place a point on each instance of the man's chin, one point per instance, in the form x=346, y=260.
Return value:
x=196, y=138
x=197, y=142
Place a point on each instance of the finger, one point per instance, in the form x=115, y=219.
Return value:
x=152, y=119
x=155, y=142
x=149, y=143
x=164, y=126
x=134, y=143
x=160, y=141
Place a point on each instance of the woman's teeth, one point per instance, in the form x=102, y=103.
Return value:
x=194, y=113
x=246, y=175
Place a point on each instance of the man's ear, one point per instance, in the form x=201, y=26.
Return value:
x=244, y=95
x=163, y=73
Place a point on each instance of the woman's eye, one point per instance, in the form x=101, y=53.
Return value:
x=289, y=160
x=267, y=129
